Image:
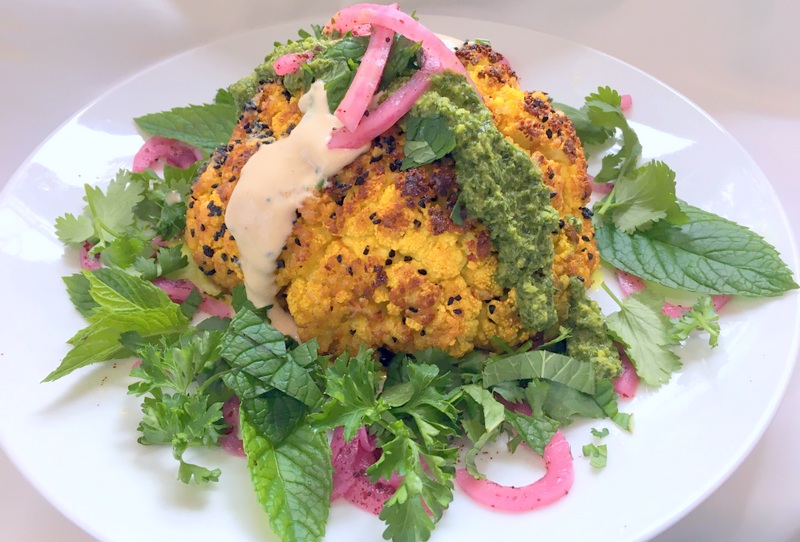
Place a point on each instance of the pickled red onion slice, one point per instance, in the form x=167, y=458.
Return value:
x=89, y=262
x=179, y=289
x=436, y=55
x=173, y=152
x=350, y=461
x=231, y=442
x=630, y=284
x=365, y=82
x=291, y=62
x=551, y=487
x=384, y=116
x=626, y=383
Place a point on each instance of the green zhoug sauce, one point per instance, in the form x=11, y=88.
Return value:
x=502, y=187
x=589, y=340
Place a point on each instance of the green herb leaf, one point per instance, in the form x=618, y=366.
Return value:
x=702, y=316
x=293, y=480
x=708, y=254
x=541, y=364
x=124, y=304
x=261, y=362
x=78, y=290
x=427, y=139
x=203, y=126
x=597, y=454
x=644, y=197
x=536, y=431
x=645, y=332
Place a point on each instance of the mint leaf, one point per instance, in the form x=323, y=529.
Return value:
x=536, y=431
x=708, y=254
x=427, y=139
x=124, y=304
x=541, y=364
x=261, y=362
x=645, y=331
x=78, y=291
x=203, y=126
x=293, y=480
x=644, y=197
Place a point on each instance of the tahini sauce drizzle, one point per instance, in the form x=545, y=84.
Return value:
x=272, y=185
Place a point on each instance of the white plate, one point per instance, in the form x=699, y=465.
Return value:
x=75, y=439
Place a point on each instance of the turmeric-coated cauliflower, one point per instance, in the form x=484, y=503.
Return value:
x=375, y=259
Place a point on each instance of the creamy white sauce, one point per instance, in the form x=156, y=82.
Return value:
x=272, y=185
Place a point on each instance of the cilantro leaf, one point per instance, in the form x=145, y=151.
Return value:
x=603, y=110
x=293, y=480
x=644, y=197
x=124, y=304
x=645, y=331
x=597, y=454
x=203, y=126
x=702, y=316
x=708, y=254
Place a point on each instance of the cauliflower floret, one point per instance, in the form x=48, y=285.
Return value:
x=375, y=257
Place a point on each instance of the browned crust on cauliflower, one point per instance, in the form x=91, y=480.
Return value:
x=375, y=258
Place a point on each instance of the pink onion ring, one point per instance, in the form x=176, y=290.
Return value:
x=178, y=291
x=175, y=153
x=350, y=481
x=352, y=107
x=232, y=441
x=630, y=284
x=551, y=487
x=626, y=102
x=626, y=384
x=89, y=262
x=436, y=58
x=291, y=62
x=384, y=116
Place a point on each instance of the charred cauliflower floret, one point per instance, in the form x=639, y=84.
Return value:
x=375, y=257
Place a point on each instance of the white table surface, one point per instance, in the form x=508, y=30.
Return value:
x=739, y=60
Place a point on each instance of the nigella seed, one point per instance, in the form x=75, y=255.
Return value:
x=422, y=333
x=458, y=298
x=376, y=221
x=553, y=194
x=339, y=258
x=590, y=256
x=422, y=272
x=407, y=258
x=373, y=215
x=450, y=300
x=280, y=264
x=457, y=311
x=366, y=251
x=491, y=309
x=208, y=251
x=392, y=253
x=413, y=309
x=585, y=238
x=352, y=332
x=388, y=261
x=297, y=241
x=417, y=223
x=350, y=271
x=549, y=133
